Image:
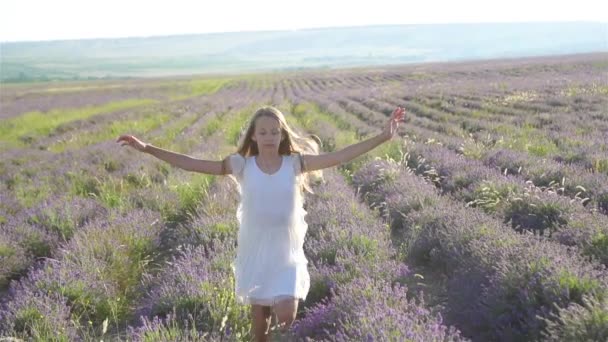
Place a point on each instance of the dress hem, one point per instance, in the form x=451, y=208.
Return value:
x=269, y=301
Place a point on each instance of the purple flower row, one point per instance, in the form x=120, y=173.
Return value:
x=511, y=199
x=93, y=278
x=501, y=284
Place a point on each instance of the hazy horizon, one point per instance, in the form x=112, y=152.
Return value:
x=30, y=20
x=301, y=29
x=324, y=48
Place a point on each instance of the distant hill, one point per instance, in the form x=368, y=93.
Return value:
x=289, y=50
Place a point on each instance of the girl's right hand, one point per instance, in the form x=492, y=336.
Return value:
x=132, y=141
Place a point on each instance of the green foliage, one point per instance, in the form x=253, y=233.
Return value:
x=121, y=258
x=212, y=126
x=61, y=225
x=32, y=323
x=198, y=87
x=230, y=124
x=214, y=310
x=577, y=287
x=223, y=231
x=587, y=321
x=29, y=194
x=236, y=126
x=328, y=255
x=473, y=149
x=319, y=289
x=527, y=139
x=35, y=244
x=150, y=121
x=21, y=130
x=310, y=115
x=89, y=304
x=598, y=247
x=6, y=250
x=528, y=214
x=113, y=193
x=344, y=138
x=82, y=184
x=600, y=165
x=391, y=150
x=363, y=245
x=191, y=194
x=490, y=196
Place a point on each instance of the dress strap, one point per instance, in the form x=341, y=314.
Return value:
x=237, y=164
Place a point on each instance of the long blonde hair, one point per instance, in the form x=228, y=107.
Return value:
x=291, y=142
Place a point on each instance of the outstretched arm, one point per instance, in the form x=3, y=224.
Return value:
x=322, y=161
x=186, y=162
x=179, y=160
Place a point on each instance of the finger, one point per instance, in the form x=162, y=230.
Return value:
x=124, y=138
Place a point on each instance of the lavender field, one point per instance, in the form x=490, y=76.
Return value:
x=486, y=219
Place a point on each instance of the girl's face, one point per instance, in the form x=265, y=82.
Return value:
x=267, y=133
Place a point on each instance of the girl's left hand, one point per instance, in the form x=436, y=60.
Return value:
x=392, y=125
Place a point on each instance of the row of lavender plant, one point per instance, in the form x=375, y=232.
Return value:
x=585, y=152
x=89, y=283
x=523, y=205
x=555, y=112
x=563, y=118
x=502, y=285
x=573, y=180
x=19, y=100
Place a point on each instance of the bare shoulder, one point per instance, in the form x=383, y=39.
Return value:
x=236, y=163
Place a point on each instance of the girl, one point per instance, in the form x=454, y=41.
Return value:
x=271, y=167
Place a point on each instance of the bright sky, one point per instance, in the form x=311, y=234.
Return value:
x=74, y=19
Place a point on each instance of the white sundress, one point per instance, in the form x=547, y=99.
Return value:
x=270, y=264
